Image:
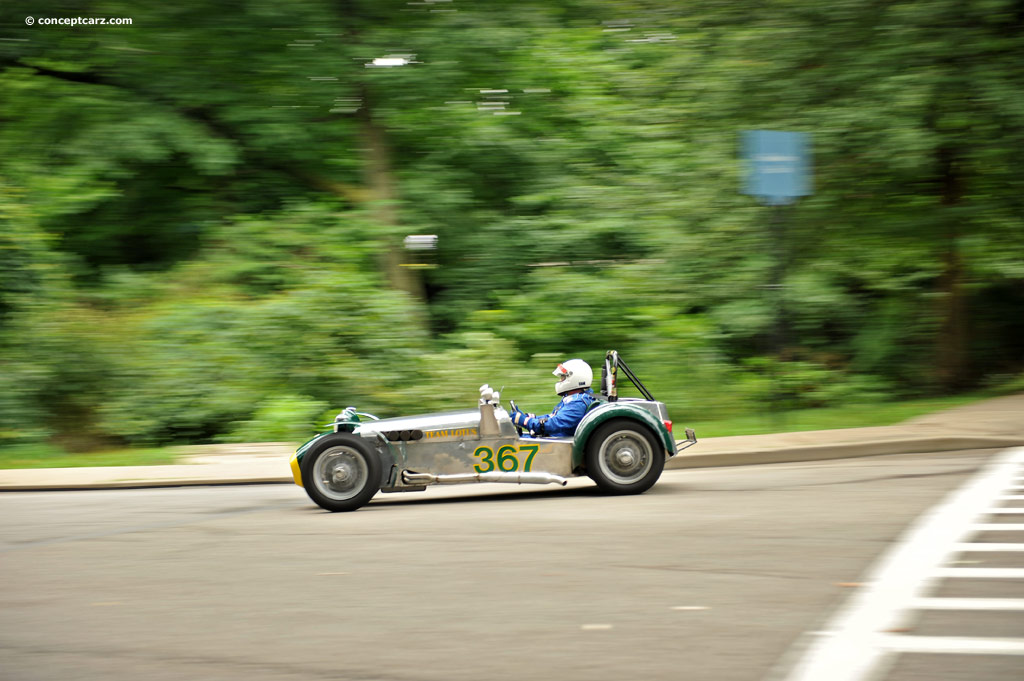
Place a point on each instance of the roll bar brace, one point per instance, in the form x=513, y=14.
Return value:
x=609, y=377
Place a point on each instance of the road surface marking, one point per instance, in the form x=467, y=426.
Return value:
x=955, y=645
x=1011, y=497
x=982, y=546
x=862, y=647
x=998, y=527
x=979, y=573
x=969, y=603
x=1007, y=511
x=690, y=607
x=596, y=627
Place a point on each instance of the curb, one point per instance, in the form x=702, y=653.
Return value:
x=848, y=450
x=35, y=480
x=141, y=484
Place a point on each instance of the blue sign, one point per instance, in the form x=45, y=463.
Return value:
x=778, y=165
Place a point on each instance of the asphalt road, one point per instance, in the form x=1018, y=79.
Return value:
x=718, y=574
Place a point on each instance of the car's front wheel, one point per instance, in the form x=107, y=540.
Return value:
x=623, y=457
x=341, y=472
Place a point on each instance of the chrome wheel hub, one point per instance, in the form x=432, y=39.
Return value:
x=626, y=457
x=340, y=473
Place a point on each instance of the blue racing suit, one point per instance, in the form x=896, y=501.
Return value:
x=564, y=418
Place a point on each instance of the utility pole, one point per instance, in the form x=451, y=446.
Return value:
x=778, y=171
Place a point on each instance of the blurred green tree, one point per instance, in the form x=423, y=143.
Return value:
x=201, y=215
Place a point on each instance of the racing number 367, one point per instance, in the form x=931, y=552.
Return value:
x=506, y=460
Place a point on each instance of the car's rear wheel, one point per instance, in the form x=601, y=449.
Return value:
x=341, y=472
x=623, y=457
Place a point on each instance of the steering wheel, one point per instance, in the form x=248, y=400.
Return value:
x=512, y=403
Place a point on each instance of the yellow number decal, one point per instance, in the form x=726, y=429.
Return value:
x=486, y=453
x=507, y=455
x=529, y=460
x=506, y=461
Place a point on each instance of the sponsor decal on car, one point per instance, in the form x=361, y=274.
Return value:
x=449, y=434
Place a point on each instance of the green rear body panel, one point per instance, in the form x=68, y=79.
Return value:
x=614, y=411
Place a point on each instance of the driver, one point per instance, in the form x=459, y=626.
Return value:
x=574, y=378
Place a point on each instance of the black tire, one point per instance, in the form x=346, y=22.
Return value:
x=623, y=456
x=341, y=472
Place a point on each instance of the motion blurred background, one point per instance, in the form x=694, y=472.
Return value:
x=203, y=213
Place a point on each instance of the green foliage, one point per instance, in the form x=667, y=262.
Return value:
x=288, y=418
x=270, y=312
x=201, y=214
x=806, y=385
x=451, y=378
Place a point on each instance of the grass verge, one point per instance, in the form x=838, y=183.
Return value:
x=49, y=456
x=829, y=418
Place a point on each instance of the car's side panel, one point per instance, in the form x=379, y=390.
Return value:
x=450, y=444
x=526, y=455
x=485, y=455
x=447, y=457
x=610, y=410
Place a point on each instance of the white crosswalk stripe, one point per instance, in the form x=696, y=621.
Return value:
x=979, y=573
x=999, y=527
x=968, y=604
x=860, y=642
x=954, y=645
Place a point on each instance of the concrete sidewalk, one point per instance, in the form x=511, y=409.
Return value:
x=996, y=423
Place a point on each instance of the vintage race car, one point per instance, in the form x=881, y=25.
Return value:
x=621, y=443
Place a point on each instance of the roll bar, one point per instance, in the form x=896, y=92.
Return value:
x=609, y=377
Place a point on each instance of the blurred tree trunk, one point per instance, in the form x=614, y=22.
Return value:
x=378, y=172
x=380, y=180
x=952, y=340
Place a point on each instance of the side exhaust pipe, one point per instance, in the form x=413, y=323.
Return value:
x=410, y=478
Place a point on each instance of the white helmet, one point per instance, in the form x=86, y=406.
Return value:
x=572, y=375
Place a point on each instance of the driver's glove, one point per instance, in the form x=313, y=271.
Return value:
x=519, y=418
